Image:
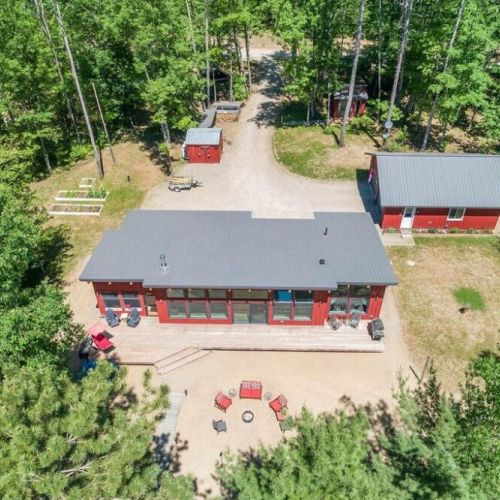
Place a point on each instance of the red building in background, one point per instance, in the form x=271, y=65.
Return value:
x=449, y=192
x=203, y=145
x=358, y=106
x=226, y=267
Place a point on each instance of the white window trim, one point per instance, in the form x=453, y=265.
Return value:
x=456, y=218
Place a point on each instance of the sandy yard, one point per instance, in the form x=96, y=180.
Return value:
x=315, y=380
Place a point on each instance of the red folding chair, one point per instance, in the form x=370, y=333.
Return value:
x=97, y=332
x=223, y=402
x=279, y=404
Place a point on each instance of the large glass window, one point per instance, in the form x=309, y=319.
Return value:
x=339, y=305
x=456, y=213
x=177, y=309
x=175, y=293
x=217, y=294
x=111, y=300
x=346, y=300
x=218, y=310
x=283, y=296
x=303, y=296
x=250, y=294
x=198, y=309
x=131, y=300
x=196, y=293
x=303, y=311
x=282, y=310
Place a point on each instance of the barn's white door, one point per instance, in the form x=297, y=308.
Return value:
x=408, y=216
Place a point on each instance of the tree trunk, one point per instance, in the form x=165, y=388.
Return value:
x=238, y=50
x=45, y=155
x=231, y=96
x=354, y=71
x=473, y=118
x=103, y=123
x=247, y=50
x=402, y=50
x=379, y=59
x=100, y=169
x=40, y=9
x=435, y=98
x=207, y=58
x=191, y=31
x=166, y=133
x=215, y=85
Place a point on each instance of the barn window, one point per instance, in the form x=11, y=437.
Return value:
x=250, y=294
x=196, y=293
x=177, y=309
x=360, y=297
x=175, y=293
x=218, y=310
x=131, y=300
x=198, y=309
x=217, y=294
x=456, y=213
x=111, y=300
x=302, y=310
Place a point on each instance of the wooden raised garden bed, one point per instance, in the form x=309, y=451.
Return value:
x=87, y=183
x=75, y=209
x=81, y=196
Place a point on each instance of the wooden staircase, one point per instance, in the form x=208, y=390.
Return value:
x=179, y=359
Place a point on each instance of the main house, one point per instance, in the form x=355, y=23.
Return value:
x=227, y=267
x=436, y=191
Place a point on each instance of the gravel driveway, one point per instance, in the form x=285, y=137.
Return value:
x=249, y=178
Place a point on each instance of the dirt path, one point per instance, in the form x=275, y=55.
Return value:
x=249, y=178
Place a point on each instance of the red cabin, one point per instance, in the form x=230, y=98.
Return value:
x=227, y=267
x=358, y=106
x=446, y=192
x=203, y=145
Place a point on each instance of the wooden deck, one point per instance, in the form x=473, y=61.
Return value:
x=151, y=342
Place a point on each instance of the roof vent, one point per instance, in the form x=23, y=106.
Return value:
x=325, y=232
x=163, y=263
x=322, y=262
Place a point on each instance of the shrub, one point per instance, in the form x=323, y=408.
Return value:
x=360, y=124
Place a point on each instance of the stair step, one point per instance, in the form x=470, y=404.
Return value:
x=175, y=356
x=183, y=361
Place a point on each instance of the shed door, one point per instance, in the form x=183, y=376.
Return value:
x=408, y=216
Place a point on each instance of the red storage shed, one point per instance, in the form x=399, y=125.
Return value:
x=358, y=106
x=203, y=145
x=447, y=192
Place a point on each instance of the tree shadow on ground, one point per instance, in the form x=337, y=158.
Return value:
x=169, y=459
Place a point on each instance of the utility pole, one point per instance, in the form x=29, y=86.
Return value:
x=103, y=123
x=354, y=71
x=402, y=50
x=97, y=156
x=206, y=54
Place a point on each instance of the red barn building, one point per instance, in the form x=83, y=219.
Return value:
x=227, y=267
x=203, y=145
x=358, y=106
x=420, y=191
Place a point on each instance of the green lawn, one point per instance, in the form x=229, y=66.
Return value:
x=448, y=273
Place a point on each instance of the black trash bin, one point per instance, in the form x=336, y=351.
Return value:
x=376, y=329
x=85, y=348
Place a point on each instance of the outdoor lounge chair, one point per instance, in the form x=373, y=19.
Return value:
x=134, y=318
x=101, y=342
x=112, y=318
x=223, y=402
x=278, y=405
x=335, y=323
x=355, y=319
x=219, y=426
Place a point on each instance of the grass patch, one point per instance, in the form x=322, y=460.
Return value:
x=470, y=297
x=464, y=269
x=85, y=232
x=311, y=152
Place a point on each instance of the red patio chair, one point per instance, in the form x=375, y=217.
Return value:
x=223, y=402
x=279, y=404
x=101, y=342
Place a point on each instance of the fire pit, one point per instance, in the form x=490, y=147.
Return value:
x=247, y=416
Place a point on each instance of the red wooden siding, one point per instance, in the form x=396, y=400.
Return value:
x=436, y=218
x=320, y=307
x=358, y=108
x=204, y=154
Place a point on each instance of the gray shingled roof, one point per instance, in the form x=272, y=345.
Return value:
x=439, y=180
x=233, y=250
x=203, y=136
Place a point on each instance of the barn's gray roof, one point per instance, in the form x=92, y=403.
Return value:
x=439, y=180
x=234, y=250
x=203, y=136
